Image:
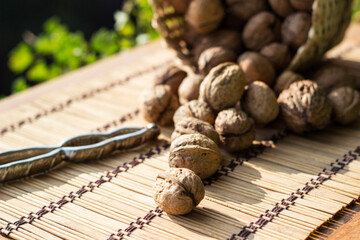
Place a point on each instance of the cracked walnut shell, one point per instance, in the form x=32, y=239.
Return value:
x=177, y=191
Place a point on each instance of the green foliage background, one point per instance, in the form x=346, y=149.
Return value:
x=57, y=50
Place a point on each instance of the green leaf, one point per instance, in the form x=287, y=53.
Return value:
x=105, y=42
x=19, y=85
x=51, y=24
x=39, y=72
x=20, y=58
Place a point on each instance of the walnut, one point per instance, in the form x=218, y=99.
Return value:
x=330, y=76
x=260, y=30
x=278, y=54
x=302, y=5
x=205, y=15
x=304, y=107
x=260, y=103
x=240, y=11
x=196, y=152
x=158, y=105
x=214, y=56
x=193, y=125
x=295, y=29
x=236, y=130
x=180, y=6
x=282, y=8
x=189, y=88
x=256, y=68
x=221, y=38
x=172, y=76
x=196, y=109
x=177, y=191
x=285, y=79
x=346, y=104
x=223, y=86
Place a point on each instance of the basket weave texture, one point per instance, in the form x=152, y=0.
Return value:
x=330, y=19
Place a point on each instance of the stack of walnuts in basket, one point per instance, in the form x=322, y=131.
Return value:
x=243, y=56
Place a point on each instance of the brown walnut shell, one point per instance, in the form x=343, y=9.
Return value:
x=177, y=191
x=196, y=109
x=295, y=29
x=278, y=54
x=196, y=152
x=285, y=80
x=330, y=76
x=193, y=125
x=180, y=6
x=223, y=86
x=189, y=88
x=205, y=15
x=172, y=76
x=302, y=5
x=346, y=104
x=214, y=56
x=282, y=8
x=305, y=107
x=260, y=103
x=236, y=130
x=260, y=30
x=256, y=68
x=158, y=105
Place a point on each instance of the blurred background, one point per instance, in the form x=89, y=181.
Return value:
x=41, y=40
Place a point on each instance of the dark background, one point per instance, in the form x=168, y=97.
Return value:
x=17, y=16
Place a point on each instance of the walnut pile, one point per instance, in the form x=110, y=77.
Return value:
x=172, y=76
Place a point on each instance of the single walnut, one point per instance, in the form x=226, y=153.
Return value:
x=196, y=152
x=330, y=76
x=177, y=191
x=222, y=38
x=158, y=105
x=193, y=125
x=196, y=109
x=285, y=79
x=282, y=8
x=223, y=86
x=256, y=68
x=302, y=5
x=295, y=29
x=304, y=107
x=278, y=54
x=260, y=30
x=214, y=56
x=172, y=76
x=346, y=104
x=189, y=88
x=236, y=130
x=260, y=103
x=180, y=6
x=242, y=10
x=205, y=15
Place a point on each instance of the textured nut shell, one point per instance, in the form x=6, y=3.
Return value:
x=192, y=125
x=278, y=54
x=214, y=56
x=189, y=88
x=180, y=6
x=172, y=76
x=205, y=15
x=346, y=104
x=178, y=190
x=302, y=5
x=260, y=30
x=256, y=68
x=330, y=77
x=260, y=103
x=304, y=107
x=295, y=29
x=223, y=86
x=158, y=105
x=196, y=152
x=236, y=130
x=196, y=109
x=282, y=8
x=285, y=79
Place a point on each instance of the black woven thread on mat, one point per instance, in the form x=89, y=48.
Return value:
x=117, y=122
x=84, y=189
x=224, y=170
x=270, y=214
x=86, y=95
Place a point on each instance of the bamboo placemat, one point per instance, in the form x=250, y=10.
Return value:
x=285, y=187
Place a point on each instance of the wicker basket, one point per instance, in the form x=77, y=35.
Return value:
x=330, y=19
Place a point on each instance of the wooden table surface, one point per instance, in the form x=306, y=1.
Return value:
x=349, y=50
